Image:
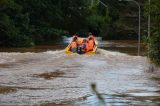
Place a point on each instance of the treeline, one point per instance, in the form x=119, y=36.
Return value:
x=30, y=22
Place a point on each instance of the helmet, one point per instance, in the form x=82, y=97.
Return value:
x=90, y=33
x=84, y=40
x=74, y=38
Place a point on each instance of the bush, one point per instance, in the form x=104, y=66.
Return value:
x=46, y=34
x=11, y=36
x=153, y=48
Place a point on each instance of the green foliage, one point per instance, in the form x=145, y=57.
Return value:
x=153, y=48
x=98, y=18
x=25, y=22
x=153, y=42
x=45, y=34
x=12, y=23
x=153, y=10
x=28, y=22
x=95, y=21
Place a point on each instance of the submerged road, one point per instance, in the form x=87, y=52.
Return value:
x=54, y=78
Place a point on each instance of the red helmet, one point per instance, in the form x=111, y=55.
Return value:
x=84, y=40
x=74, y=38
x=91, y=37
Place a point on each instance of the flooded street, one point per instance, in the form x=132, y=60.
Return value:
x=49, y=77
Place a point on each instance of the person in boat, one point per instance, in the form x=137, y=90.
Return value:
x=74, y=43
x=85, y=46
x=75, y=36
x=79, y=48
x=91, y=41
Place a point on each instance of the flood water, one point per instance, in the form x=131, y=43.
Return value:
x=46, y=76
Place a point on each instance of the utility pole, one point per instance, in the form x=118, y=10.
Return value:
x=104, y=5
x=139, y=22
x=149, y=20
x=91, y=2
x=139, y=32
x=99, y=1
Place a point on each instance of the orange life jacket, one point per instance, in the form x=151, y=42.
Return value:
x=73, y=44
x=91, y=44
x=80, y=43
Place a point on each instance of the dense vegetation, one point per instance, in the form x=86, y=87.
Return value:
x=153, y=41
x=29, y=22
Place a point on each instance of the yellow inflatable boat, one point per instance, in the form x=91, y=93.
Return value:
x=67, y=49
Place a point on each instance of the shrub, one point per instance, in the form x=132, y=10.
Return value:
x=153, y=48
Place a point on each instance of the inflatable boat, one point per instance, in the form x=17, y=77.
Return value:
x=68, y=50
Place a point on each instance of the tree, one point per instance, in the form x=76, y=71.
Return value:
x=12, y=24
x=153, y=42
x=98, y=18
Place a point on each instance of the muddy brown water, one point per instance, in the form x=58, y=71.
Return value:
x=49, y=77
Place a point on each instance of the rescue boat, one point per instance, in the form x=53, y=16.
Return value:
x=68, y=51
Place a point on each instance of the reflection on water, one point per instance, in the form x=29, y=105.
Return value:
x=48, y=76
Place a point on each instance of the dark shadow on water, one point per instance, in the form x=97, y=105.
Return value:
x=52, y=75
x=6, y=65
x=7, y=89
x=3, y=66
x=156, y=78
